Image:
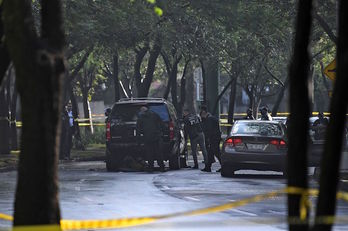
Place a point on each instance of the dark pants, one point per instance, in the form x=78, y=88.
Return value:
x=153, y=151
x=214, y=150
x=199, y=140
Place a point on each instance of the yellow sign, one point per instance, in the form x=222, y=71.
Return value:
x=330, y=70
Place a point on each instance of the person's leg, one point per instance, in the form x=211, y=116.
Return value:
x=159, y=154
x=149, y=154
x=201, y=143
x=194, y=151
x=216, y=149
x=210, y=154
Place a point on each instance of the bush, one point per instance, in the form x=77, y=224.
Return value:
x=98, y=137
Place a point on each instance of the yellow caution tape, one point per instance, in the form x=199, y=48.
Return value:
x=6, y=217
x=37, y=228
x=128, y=222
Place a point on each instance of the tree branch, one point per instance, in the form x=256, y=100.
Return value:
x=325, y=27
x=273, y=76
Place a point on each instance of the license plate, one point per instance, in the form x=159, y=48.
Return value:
x=255, y=146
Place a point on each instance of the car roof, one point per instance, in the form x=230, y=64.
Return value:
x=258, y=121
x=140, y=100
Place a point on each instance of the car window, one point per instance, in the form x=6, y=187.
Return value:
x=266, y=129
x=161, y=110
x=129, y=112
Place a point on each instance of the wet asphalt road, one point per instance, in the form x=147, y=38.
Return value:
x=87, y=191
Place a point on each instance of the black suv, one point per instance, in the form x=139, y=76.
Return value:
x=121, y=132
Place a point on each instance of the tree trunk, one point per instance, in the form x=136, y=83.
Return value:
x=204, y=77
x=190, y=102
x=4, y=124
x=116, y=78
x=140, y=54
x=40, y=66
x=174, y=85
x=143, y=91
x=183, y=89
x=299, y=113
x=13, y=125
x=280, y=97
x=232, y=101
x=86, y=110
x=4, y=120
x=70, y=77
x=330, y=163
x=75, y=111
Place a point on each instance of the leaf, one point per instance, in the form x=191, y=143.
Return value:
x=151, y=1
x=158, y=11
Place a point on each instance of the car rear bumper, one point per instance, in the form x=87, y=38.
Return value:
x=136, y=150
x=256, y=161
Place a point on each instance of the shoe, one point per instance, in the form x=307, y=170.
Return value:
x=219, y=170
x=195, y=167
x=206, y=170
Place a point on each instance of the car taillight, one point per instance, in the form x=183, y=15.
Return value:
x=108, y=132
x=278, y=143
x=171, y=130
x=233, y=141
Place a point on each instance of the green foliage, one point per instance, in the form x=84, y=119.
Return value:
x=242, y=35
x=98, y=137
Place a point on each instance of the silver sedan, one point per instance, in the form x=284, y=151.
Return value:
x=254, y=144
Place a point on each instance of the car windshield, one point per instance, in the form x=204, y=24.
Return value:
x=265, y=129
x=129, y=112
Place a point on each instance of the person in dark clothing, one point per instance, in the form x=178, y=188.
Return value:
x=321, y=120
x=193, y=128
x=319, y=127
x=249, y=115
x=212, y=133
x=64, y=152
x=264, y=114
x=149, y=125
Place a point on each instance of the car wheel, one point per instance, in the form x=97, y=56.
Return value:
x=227, y=172
x=113, y=161
x=174, y=162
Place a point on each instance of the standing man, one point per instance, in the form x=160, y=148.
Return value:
x=149, y=124
x=212, y=133
x=264, y=114
x=71, y=130
x=192, y=126
x=249, y=115
x=319, y=126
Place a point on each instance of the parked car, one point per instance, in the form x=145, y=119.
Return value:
x=282, y=119
x=254, y=144
x=121, y=134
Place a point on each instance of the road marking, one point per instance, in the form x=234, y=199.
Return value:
x=243, y=212
x=277, y=212
x=192, y=198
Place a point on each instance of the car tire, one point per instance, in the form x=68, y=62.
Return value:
x=227, y=172
x=113, y=161
x=174, y=162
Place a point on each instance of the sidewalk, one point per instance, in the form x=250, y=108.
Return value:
x=8, y=162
